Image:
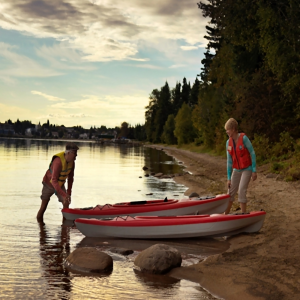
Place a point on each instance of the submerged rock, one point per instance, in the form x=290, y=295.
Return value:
x=89, y=259
x=194, y=195
x=158, y=259
x=158, y=174
x=121, y=251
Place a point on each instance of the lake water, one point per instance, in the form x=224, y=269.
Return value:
x=32, y=255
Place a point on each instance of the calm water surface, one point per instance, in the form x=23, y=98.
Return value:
x=32, y=255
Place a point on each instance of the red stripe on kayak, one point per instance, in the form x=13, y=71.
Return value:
x=166, y=221
x=132, y=209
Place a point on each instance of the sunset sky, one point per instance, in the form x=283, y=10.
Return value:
x=94, y=62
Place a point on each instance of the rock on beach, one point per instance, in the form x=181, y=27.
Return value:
x=158, y=259
x=89, y=259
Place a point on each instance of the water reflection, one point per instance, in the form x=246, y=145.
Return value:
x=32, y=265
x=158, y=161
x=155, y=281
x=53, y=252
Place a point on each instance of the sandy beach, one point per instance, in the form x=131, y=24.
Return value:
x=264, y=265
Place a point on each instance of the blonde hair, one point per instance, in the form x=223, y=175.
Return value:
x=231, y=124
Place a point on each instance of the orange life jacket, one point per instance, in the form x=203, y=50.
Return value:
x=240, y=155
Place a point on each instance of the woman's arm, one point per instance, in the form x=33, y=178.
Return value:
x=229, y=162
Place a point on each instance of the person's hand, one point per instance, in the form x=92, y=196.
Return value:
x=229, y=184
x=254, y=176
x=67, y=199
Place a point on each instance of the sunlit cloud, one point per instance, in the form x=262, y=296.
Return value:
x=48, y=97
x=148, y=66
x=14, y=112
x=64, y=116
x=126, y=108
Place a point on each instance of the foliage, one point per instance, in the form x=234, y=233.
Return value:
x=165, y=102
x=184, y=129
x=168, y=136
x=261, y=147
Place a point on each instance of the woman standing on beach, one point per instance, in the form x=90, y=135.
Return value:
x=241, y=164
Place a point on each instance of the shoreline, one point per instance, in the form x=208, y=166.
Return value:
x=263, y=265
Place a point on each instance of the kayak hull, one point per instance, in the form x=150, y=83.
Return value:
x=172, y=227
x=217, y=204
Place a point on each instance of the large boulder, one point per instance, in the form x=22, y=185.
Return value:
x=89, y=259
x=158, y=259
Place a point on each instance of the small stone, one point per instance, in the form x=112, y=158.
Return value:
x=158, y=174
x=146, y=175
x=271, y=175
x=194, y=195
x=121, y=251
x=145, y=168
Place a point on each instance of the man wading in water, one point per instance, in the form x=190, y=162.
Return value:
x=60, y=169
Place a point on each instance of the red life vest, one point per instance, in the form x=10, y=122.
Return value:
x=240, y=156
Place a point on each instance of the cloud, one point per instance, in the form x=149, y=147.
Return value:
x=62, y=56
x=14, y=112
x=48, y=97
x=188, y=48
x=177, y=66
x=148, y=66
x=64, y=116
x=102, y=30
x=17, y=65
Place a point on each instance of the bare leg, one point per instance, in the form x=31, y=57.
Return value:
x=40, y=214
x=228, y=208
x=243, y=207
x=65, y=205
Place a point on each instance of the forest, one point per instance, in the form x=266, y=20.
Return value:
x=250, y=72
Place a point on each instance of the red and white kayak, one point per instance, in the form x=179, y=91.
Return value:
x=165, y=207
x=172, y=226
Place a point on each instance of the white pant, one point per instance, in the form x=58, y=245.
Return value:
x=239, y=182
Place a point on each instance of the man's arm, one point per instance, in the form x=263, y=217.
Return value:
x=71, y=180
x=56, y=169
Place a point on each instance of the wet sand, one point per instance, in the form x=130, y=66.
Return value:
x=264, y=265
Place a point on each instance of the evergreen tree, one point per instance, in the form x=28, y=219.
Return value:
x=150, y=114
x=185, y=92
x=193, y=100
x=176, y=98
x=164, y=107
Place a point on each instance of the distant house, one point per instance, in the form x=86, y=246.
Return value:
x=83, y=136
x=69, y=132
x=54, y=134
x=30, y=131
x=7, y=129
